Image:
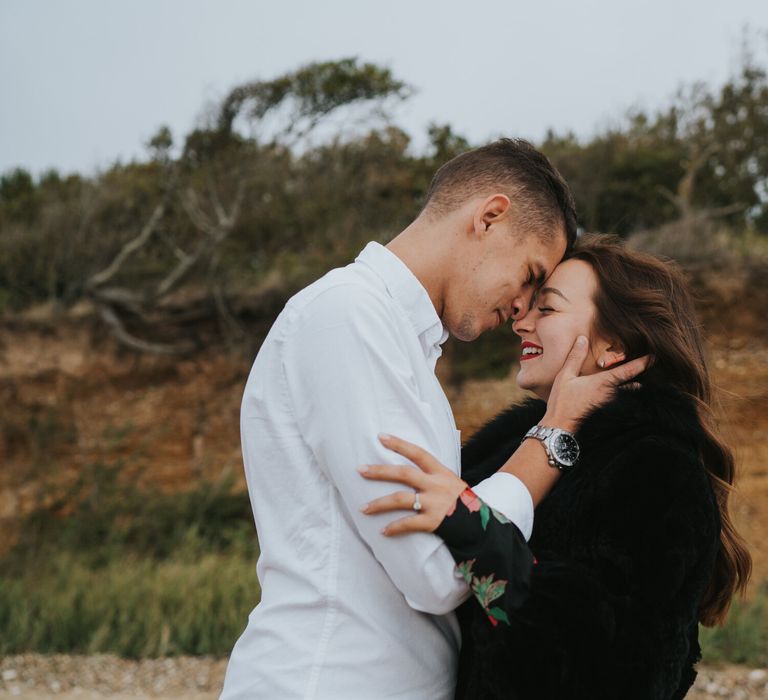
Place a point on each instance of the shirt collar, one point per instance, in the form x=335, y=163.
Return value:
x=406, y=289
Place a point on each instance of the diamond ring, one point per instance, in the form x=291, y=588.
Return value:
x=416, y=502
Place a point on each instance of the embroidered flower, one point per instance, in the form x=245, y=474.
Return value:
x=496, y=615
x=474, y=504
x=486, y=590
x=503, y=519
x=471, y=500
x=465, y=569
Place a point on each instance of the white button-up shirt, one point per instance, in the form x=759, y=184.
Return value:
x=345, y=612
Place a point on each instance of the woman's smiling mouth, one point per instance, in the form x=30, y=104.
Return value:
x=530, y=350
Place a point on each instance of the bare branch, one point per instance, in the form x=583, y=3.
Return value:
x=724, y=210
x=217, y=233
x=176, y=274
x=669, y=196
x=119, y=296
x=687, y=182
x=227, y=320
x=191, y=206
x=128, y=249
x=215, y=201
x=131, y=341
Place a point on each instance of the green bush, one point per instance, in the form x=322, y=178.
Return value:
x=131, y=607
x=104, y=517
x=110, y=567
x=147, y=574
x=744, y=637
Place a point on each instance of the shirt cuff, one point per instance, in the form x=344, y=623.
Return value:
x=505, y=493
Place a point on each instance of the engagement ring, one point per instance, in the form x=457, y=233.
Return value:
x=416, y=502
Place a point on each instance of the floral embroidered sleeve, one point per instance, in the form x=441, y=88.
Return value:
x=491, y=554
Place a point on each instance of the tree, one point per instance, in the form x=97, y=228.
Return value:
x=220, y=173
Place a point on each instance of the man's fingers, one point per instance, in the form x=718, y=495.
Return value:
x=576, y=356
x=419, y=456
x=628, y=371
x=406, y=475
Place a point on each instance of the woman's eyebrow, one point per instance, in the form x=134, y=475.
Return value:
x=552, y=290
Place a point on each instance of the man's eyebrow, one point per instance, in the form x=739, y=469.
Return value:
x=552, y=290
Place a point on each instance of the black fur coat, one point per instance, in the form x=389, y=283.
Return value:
x=625, y=543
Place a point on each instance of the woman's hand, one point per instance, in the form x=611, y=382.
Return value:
x=437, y=487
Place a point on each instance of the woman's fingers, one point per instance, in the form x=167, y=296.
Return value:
x=419, y=456
x=437, y=488
x=426, y=519
x=406, y=475
x=576, y=356
x=400, y=500
x=626, y=372
x=411, y=523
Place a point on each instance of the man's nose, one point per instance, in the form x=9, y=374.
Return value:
x=523, y=320
x=521, y=305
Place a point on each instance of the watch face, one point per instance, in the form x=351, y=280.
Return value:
x=565, y=449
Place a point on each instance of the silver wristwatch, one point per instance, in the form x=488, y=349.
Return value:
x=561, y=446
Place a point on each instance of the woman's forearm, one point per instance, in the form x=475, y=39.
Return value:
x=529, y=464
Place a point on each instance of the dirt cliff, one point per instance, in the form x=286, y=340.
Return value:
x=72, y=400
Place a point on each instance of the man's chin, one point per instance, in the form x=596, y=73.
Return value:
x=467, y=332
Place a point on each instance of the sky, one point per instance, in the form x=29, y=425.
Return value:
x=85, y=83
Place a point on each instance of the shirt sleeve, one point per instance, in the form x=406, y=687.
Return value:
x=508, y=495
x=350, y=379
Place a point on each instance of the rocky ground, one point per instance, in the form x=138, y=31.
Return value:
x=37, y=677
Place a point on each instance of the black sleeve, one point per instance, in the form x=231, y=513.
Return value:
x=490, y=553
x=590, y=625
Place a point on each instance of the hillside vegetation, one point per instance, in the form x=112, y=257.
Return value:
x=132, y=302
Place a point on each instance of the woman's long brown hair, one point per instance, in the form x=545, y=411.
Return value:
x=644, y=304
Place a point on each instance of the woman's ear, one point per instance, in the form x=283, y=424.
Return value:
x=612, y=355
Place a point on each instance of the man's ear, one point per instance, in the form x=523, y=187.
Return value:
x=490, y=211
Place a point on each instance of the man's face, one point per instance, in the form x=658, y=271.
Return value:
x=500, y=275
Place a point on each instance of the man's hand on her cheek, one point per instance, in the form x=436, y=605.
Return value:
x=572, y=395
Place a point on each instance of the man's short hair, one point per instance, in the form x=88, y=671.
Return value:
x=539, y=194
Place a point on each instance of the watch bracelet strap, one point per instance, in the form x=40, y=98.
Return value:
x=541, y=433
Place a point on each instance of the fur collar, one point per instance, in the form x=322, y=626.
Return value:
x=651, y=410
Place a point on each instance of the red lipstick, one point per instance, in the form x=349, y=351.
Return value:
x=530, y=350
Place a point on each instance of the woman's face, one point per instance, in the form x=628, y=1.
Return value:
x=563, y=311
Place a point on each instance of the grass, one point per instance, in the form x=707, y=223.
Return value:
x=108, y=567
x=744, y=637
x=131, y=607
x=150, y=574
x=198, y=605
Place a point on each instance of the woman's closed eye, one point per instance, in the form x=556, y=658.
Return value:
x=545, y=309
